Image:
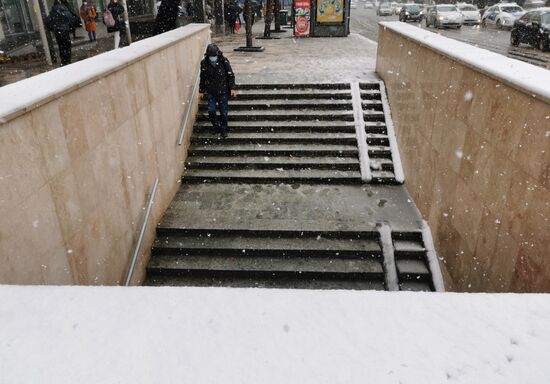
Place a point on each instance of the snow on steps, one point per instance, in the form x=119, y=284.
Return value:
x=299, y=121
x=366, y=260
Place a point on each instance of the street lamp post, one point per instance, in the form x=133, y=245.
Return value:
x=127, y=22
x=41, y=30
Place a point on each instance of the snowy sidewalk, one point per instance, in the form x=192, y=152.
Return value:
x=197, y=335
x=301, y=60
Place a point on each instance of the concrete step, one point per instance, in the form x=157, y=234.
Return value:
x=372, y=104
x=365, y=87
x=266, y=104
x=298, y=87
x=283, y=126
x=379, y=151
x=244, y=265
x=383, y=177
x=371, y=94
x=412, y=267
x=415, y=286
x=274, y=150
x=381, y=164
x=282, y=114
x=231, y=244
x=292, y=94
x=379, y=130
x=278, y=137
x=289, y=282
x=279, y=175
x=409, y=249
x=373, y=115
x=378, y=139
x=347, y=235
x=272, y=162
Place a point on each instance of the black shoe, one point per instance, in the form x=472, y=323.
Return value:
x=224, y=134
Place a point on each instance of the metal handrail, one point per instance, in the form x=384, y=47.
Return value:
x=142, y=232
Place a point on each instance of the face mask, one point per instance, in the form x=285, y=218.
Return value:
x=213, y=59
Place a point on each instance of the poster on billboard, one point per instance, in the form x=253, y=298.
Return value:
x=330, y=11
x=302, y=18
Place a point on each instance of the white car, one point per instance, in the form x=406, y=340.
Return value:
x=533, y=4
x=470, y=13
x=502, y=15
x=353, y=5
x=444, y=15
x=369, y=6
x=384, y=9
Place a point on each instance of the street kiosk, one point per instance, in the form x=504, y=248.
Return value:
x=321, y=18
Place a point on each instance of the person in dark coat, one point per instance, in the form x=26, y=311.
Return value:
x=117, y=11
x=232, y=13
x=217, y=80
x=166, y=16
x=61, y=21
x=76, y=24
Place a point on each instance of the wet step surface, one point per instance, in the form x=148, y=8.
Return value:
x=272, y=162
x=289, y=175
x=292, y=256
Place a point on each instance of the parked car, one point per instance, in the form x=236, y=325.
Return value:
x=384, y=9
x=533, y=4
x=369, y=5
x=502, y=15
x=352, y=5
x=444, y=15
x=532, y=28
x=470, y=14
x=411, y=12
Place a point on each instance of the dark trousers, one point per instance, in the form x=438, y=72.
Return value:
x=63, y=39
x=91, y=35
x=214, y=103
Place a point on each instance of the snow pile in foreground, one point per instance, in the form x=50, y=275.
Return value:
x=208, y=335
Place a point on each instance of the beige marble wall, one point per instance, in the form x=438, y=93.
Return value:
x=476, y=156
x=75, y=172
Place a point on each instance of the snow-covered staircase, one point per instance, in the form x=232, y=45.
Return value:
x=290, y=139
x=296, y=133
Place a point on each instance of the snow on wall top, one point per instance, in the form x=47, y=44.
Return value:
x=518, y=74
x=25, y=95
x=250, y=336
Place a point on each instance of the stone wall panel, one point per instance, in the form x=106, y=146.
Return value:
x=76, y=169
x=476, y=160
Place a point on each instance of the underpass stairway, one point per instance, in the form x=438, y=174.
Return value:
x=292, y=134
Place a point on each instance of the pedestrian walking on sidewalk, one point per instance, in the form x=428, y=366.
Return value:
x=232, y=13
x=88, y=15
x=61, y=21
x=117, y=12
x=217, y=80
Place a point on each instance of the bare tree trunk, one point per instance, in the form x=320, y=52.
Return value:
x=219, y=16
x=248, y=22
x=199, y=15
x=277, y=15
x=268, y=18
